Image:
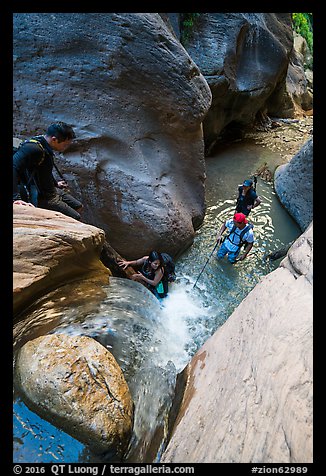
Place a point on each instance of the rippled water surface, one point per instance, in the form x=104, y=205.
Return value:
x=153, y=342
x=222, y=286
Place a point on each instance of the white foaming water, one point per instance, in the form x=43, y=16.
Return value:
x=182, y=317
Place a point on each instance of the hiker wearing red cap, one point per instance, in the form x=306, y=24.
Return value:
x=240, y=233
x=247, y=198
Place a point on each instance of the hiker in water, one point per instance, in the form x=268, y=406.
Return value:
x=33, y=164
x=240, y=233
x=151, y=273
x=247, y=199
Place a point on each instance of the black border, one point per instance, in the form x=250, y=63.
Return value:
x=6, y=232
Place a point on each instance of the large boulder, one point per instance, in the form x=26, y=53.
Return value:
x=248, y=395
x=293, y=183
x=137, y=101
x=76, y=384
x=50, y=248
x=294, y=98
x=244, y=58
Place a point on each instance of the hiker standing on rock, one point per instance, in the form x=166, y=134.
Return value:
x=240, y=233
x=248, y=198
x=34, y=183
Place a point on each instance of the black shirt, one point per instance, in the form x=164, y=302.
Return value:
x=29, y=158
x=245, y=200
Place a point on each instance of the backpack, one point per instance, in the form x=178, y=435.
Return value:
x=18, y=142
x=168, y=276
x=28, y=189
x=245, y=230
x=169, y=267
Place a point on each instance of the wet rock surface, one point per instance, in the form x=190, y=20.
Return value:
x=293, y=183
x=287, y=136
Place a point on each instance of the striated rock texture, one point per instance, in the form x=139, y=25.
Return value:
x=294, y=98
x=50, y=248
x=293, y=183
x=248, y=397
x=244, y=58
x=76, y=384
x=136, y=101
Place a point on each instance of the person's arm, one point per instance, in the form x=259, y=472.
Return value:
x=257, y=202
x=124, y=263
x=153, y=282
x=62, y=182
x=249, y=237
x=244, y=254
x=220, y=233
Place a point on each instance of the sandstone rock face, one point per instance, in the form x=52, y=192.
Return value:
x=76, y=384
x=294, y=98
x=136, y=101
x=248, y=396
x=293, y=183
x=244, y=58
x=50, y=248
x=302, y=48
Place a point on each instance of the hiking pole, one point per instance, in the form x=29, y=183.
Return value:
x=59, y=173
x=255, y=182
x=216, y=244
x=61, y=176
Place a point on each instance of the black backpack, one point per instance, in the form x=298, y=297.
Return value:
x=18, y=142
x=169, y=267
x=28, y=189
x=242, y=241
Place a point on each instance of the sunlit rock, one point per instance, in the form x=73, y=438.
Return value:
x=50, y=248
x=249, y=394
x=76, y=384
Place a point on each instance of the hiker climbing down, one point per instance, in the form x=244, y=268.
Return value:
x=154, y=272
x=247, y=198
x=33, y=164
x=240, y=233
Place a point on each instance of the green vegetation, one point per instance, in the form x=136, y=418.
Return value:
x=187, y=23
x=303, y=24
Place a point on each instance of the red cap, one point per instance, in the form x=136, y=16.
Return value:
x=240, y=217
